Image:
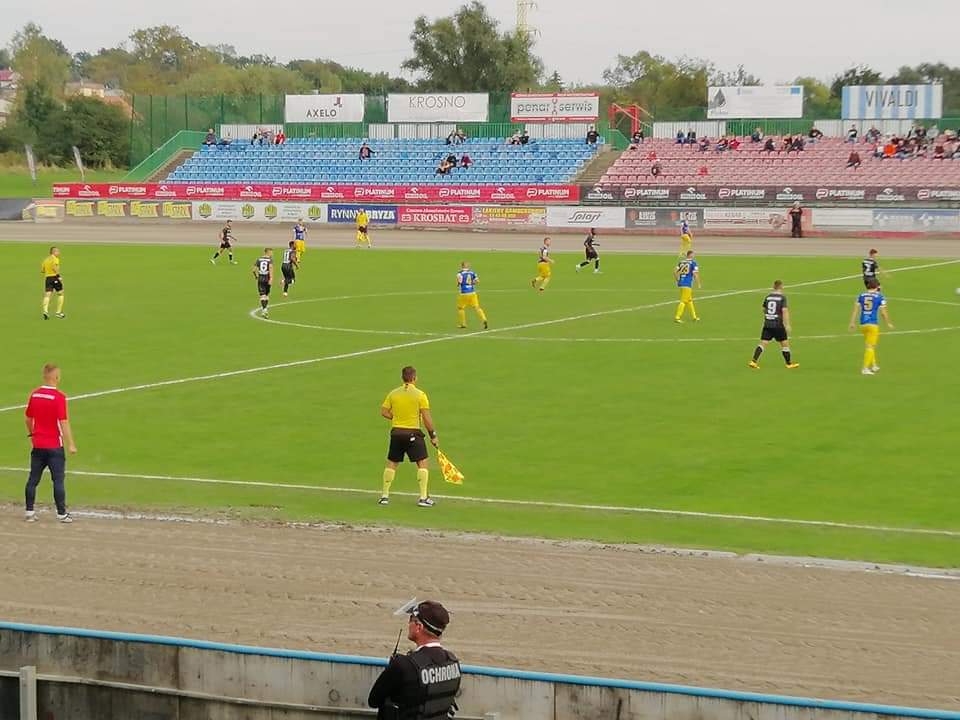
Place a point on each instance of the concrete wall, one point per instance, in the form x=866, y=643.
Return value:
x=91, y=675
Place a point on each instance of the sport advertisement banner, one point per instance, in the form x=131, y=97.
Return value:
x=843, y=217
x=928, y=221
x=760, y=101
x=435, y=215
x=663, y=218
x=554, y=107
x=378, y=214
x=756, y=218
x=170, y=210
x=586, y=217
x=891, y=102
x=507, y=216
x=660, y=194
x=323, y=108
x=219, y=211
x=437, y=107
x=391, y=194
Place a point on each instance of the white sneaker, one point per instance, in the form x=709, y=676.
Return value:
x=425, y=502
x=577, y=267
x=65, y=518
x=875, y=368
x=597, y=272
x=30, y=516
x=383, y=501
x=212, y=261
x=866, y=371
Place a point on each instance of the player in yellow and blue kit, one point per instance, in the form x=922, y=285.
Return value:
x=467, y=297
x=300, y=239
x=686, y=239
x=687, y=271
x=544, y=271
x=869, y=307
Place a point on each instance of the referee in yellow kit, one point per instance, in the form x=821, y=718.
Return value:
x=52, y=282
x=405, y=407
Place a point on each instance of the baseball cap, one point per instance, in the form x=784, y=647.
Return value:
x=432, y=615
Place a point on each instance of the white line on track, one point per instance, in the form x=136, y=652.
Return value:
x=523, y=503
x=449, y=338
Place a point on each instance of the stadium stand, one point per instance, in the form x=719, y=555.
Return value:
x=823, y=162
x=395, y=161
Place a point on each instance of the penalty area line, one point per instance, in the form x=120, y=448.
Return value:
x=525, y=503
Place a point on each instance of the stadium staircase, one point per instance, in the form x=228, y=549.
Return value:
x=395, y=161
x=168, y=169
x=596, y=168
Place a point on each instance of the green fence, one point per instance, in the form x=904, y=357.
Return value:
x=183, y=140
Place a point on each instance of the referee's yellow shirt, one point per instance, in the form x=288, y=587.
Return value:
x=50, y=267
x=406, y=402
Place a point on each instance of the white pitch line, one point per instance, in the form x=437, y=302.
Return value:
x=522, y=503
x=448, y=338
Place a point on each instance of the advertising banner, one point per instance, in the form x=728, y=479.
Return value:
x=378, y=214
x=760, y=101
x=437, y=107
x=848, y=218
x=663, y=218
x=916, y=220
x=731, y=218
x=587, y=217
x=510, y=216
x=435, y=215
x=219, y=211
x=554, y=107
x=323, y=108
x=891, y=102
x=391, y=194
x=143, y=209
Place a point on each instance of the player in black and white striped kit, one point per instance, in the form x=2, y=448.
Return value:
x=776, y=326
x=263, y=272
x=289, y=267
x=871, y=268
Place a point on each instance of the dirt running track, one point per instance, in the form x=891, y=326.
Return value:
x=718, y=621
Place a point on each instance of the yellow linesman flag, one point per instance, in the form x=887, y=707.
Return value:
x=449, y=470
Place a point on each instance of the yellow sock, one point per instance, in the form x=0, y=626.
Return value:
x=693, y=310
x=869, y=357
x=388, y=475
x=545, y=282
x=60, y=299
x=680, y=308
x=462, y=317
x=423, y=477
x=482, y=314
x=46, y=303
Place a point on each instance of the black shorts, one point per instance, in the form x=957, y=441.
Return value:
x=225, y=245
x=778, y=333
x=407, y=442
x=53, y=284
x=362, y=229
x=288, y=272
x=263, y=287
x=592, y=254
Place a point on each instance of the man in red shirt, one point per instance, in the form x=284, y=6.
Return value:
x=48, y=428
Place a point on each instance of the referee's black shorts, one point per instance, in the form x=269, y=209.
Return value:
x=778, y=333
x=53, y=284
x=407, y=442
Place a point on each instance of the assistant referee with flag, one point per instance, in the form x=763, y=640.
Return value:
x=405, y=407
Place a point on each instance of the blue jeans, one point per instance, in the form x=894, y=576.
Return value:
x=56, y=460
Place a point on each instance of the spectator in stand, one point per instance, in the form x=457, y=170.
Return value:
x=734, y=144
x=452, y=137
x=256, y=137
x=704, y=143
x=769, y=146
x=636, y=140
x=280, y=138
x=365, y=152
x=723, y=144
x=939, y=152
x=444, y=167
x=524, y=137
x=852, y=134
x=656, y=169
x=681, y=138
x=854, y=160
x=878, y=151
x=211, y=138
x=889, y=149
x=592, y=136
x=268, y=136
x=814, y=134
x=873, y=134
x=465, y=161
x=461, y=135
x=757, y=135
x=703, y=171
x=515, y=138
x=452, y=160
x=691, y=137
x=798, y=144
x=226, y=140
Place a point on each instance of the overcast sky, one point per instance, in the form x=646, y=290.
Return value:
x=579, y=38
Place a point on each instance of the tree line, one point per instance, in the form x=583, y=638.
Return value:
x=466, y=51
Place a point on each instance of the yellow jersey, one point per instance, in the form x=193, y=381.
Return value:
x=406, y=402
x=362, y=219
x=50, y=267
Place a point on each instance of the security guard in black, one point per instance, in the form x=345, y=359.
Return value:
x=423, y=684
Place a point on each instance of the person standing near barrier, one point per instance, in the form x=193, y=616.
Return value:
x=423, y=684
x=48, y=428
x=796, y=220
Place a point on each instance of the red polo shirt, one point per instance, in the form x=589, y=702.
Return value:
x=47, y=406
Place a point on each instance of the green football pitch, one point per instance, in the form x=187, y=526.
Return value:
x=584, y=412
